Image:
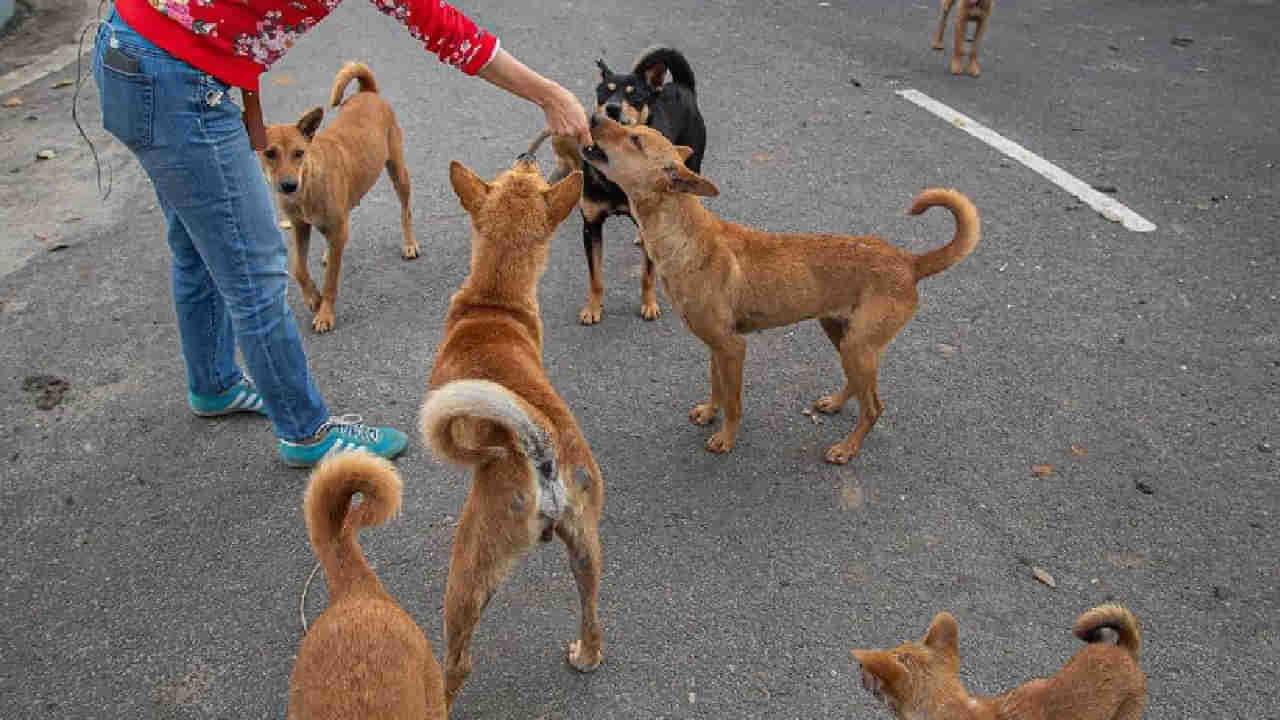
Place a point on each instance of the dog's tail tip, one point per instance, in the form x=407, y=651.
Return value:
x=336, y=480
x=482, y=400
x=968, y=229
x=1116, y=617
x=352, y=70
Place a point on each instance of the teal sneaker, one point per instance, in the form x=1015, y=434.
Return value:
x=241, y=397
x=341, y=434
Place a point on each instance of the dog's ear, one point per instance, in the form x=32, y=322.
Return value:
x=655, y=75
x=886, y=668
x=678, y=178
x=685, y=152
x=470, y=187
x=942, y=634
x=563, y=197
x=605, y=72
x=308, y=124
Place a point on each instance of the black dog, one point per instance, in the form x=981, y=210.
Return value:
x=639, y=97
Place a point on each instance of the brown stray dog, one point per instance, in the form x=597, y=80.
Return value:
x=320, y=177
x=364, y=657
x=920, y=681
x=971, y=11
x=728, y=279
x=490, y=406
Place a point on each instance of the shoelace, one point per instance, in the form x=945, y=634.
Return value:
x=353, y=425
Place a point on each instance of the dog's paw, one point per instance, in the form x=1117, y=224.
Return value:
x=649, y=311
x=841, y=454
x=828, y=404
x=323, y=321
x=409, y=252
x=702, y=414
x=582, y=660
x=937, y=45
x=311, y=300
x=975, y=69
x=957, y=65
x=589, y=315
x=871, y=683
x=720, y=442
x=324, y=259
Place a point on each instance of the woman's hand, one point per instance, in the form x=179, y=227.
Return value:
x=565, y=116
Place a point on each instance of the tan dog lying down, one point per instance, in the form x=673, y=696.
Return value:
x=320, y=177
x=728, y=279
x=491, y=407
x=364, y=657
x=921, y=681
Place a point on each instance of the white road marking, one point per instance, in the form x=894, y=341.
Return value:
x=1106, y=205
x=56, y=60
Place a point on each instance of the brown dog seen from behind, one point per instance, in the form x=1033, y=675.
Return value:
x=971, y=11
x=364, y=657
x=728, y=279
x=320, y=176
x=920, y=680
x=490, y=406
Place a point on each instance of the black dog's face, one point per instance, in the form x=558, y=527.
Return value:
x=625, y=97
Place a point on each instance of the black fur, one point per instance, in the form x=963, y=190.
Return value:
x=673, y=111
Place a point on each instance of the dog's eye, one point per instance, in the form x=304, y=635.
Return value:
x=635, y=140
x=297, y=154
x=270, y=153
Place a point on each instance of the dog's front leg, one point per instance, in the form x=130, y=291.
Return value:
x=648, y=294
x=704, y=413
x=984, y=14
x=943, y=10
x=337, y=237
x=593, y=244
x=957, y=52
x=582, y=540
x=298, y=261
x=729, y=359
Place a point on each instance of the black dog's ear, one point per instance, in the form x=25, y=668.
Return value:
x=655, y=75
x=308, y=124
x=605, y=72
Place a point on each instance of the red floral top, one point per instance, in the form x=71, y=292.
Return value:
x=237, y=40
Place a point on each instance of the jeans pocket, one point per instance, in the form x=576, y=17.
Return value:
x=128, y=99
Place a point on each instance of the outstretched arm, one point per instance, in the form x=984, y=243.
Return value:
x=565, y=115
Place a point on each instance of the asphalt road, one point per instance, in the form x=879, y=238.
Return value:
x=153, y=560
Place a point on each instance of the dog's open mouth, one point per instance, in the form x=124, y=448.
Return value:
x=595, y=155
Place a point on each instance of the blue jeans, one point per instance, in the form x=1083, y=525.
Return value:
x=229, y=276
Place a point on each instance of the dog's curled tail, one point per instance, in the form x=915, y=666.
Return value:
x=1119, y=619
x=968, y=230
x=489, y=401
x=675, y=62
x=352, y=71
x=332, y=523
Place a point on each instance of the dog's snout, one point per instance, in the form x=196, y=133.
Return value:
x=288, y=186
x=614, y=111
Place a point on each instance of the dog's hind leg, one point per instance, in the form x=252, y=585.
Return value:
x=871, y=329
x=399, y=175
x=583, y=544
x=325, y=317
x=298, y=261
x=593, y=244
x=836, y=328
x=942, y=23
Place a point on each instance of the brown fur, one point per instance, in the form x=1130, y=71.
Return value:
x=971, y=11
x=333, y=169
x=728, y=279
x=490, y=406
x=920, y=681
x=364, y=657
